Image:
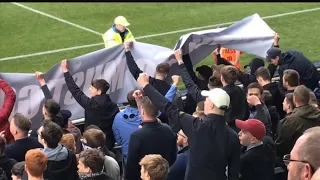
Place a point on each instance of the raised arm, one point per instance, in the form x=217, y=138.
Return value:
x=192, y=88
x=132, y=65
x=9, y=100
x=44, y=87
x=76, y=92
x=186, y=121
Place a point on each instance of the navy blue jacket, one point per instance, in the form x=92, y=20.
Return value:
x=178, y=169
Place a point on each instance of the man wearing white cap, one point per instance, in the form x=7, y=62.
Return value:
x=213, y=144
x=118, y=33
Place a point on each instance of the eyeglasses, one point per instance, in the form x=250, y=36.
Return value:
x=287, y=159
x=178, y=134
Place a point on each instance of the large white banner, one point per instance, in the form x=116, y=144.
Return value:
x=251, y=35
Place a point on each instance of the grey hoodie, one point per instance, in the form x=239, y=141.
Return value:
x=57, y=154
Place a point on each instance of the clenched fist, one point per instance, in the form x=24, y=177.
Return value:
x=143, y=79
x=175, y=79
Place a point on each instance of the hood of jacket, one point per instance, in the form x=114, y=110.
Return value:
x=57, y=154
x=255, y=64
x=288, y=57
x=131, y=111
x=307, y=112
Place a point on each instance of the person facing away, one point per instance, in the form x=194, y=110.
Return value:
x=61, y=161
x=19, y=128
x=100, y=110
x=206, y=135
x=304, y=160
x=125, y=123
x=153, y=138
x=91, y=164
x=17, y=170
x=154, y=167
x=258, y=160
x=118, y=33
x=36, y=164
x=290, y=80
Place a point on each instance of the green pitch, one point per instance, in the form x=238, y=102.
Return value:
x=24, y=32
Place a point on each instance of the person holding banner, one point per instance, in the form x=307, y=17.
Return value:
x=100, y=110
x=118, y=33
x=6, y=109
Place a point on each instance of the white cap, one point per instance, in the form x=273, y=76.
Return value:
x=218, y=97
x=122, y=21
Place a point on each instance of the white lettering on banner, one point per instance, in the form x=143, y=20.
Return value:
x=195, y=44
x=98, y=73
x=29, y=100
x=79, y=79
x=114, y=73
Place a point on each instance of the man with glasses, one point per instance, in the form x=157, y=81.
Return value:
x=304, y=158
x=178, y=169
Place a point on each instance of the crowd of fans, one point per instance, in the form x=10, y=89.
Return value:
x=262, y=130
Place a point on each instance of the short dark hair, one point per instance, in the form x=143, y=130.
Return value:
x=149, y=107
x=131, y=100
x=18, y=169
x=302, y=95
x=51, y=133
x=163, y=68
x=22, y=123
x=255, y=85
x=3, y=143
x=229, y=74
x=263, y=73
x=292, y=77
x=267, y=98
x=95, y=138
x=52, y=107
x=289, y=98
x=101, y=84
x=93, y=159
x=215, y=81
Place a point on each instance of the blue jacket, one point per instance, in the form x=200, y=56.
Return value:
x=178, y=169
x=123, y=128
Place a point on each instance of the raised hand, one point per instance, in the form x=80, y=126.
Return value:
x=143, y=79
x=64, y=65
x=175, y=79
x=178, y=55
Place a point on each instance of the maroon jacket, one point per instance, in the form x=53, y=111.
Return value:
x=6, y=109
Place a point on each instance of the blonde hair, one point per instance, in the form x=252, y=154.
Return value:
x=156, y=166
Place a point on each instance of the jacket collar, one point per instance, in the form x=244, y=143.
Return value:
x=183, y=150
x=117, y=31
x=254, y=145
x=150, y=123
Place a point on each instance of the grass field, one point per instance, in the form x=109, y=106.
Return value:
x=25, y=32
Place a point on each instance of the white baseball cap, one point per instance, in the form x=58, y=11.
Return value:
x=122, y=21
x=218, y=97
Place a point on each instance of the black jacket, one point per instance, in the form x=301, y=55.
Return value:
x=295, y=60
x=162, y=86
x=190, y=103
x=152, y=138
x=257, y=163
x=293, y=126
x=66, y=168
x=237, y=98
x=6, y=164
x=213, y=144
x=99, y=110
x=277, y=97
x=261, y=113
x=18, y=149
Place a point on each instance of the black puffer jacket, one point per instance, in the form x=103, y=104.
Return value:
x=293, y=59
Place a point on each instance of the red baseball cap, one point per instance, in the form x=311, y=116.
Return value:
x=253, y=126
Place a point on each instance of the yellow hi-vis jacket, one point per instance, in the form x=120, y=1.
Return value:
x=113, y=38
